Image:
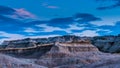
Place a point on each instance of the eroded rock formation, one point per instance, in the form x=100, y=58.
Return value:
x=107, y=43
x=65, y=52
x=103, y=43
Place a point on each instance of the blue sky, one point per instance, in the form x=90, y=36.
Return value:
x=46, y=18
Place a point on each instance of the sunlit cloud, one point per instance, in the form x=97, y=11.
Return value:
x=106, y=21
x=22, y=13
x=89, y=33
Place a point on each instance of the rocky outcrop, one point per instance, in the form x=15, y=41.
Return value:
x=66, y=53
x=107, y=43
x=67, y=48
x=29, y=42
x=30, y=52
x=24, y=43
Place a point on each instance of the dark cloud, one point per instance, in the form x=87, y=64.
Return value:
x=79, y=18
x=61, y=22
x=109, y=7
x=85, y=17
x=56, y=22
x=66, y=20
x=117, y=4
x=6, y=10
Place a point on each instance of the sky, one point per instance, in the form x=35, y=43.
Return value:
x=47, y=18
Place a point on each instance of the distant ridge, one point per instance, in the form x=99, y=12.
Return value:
x=108, y=43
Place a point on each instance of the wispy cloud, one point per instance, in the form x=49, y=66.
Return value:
x=47, y=28
x=16, y=13
x=74, y=27
x=104, y=30
x=71, y=27
x=52, y=7
x=30, y=30
x=110, y=4
x=46, y=5
x=106, y=21
x=44, y=36
x=24, y=14
x=89, y=33
x=11, y=36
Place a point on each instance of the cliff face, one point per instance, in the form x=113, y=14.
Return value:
x=66, y=48
x=107, y=43
x=56, y=54
x=29, y=42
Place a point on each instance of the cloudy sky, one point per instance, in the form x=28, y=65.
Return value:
x=44, y=18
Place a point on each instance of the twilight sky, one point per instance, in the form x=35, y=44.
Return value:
x=44, y=18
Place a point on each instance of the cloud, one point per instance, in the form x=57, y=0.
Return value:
x=16, y=13
x=10, y=36
x=79, y=22
x=46, y=5
x=89, y=33
x=14, y=19
x=43, y=36
x=73, y=27
x=30, y=30
x=52, y=7
x=47, y=28
x=104, y=30
x=6, y=10
x=115, y=3
x=66, y=24
x=106, y=21
x=55, y=26
x=114, y=29
x=85, y=17
x=22, y=13
x=79, y=18
x=61, y=22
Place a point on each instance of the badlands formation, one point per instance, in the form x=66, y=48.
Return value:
x=61, y=52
